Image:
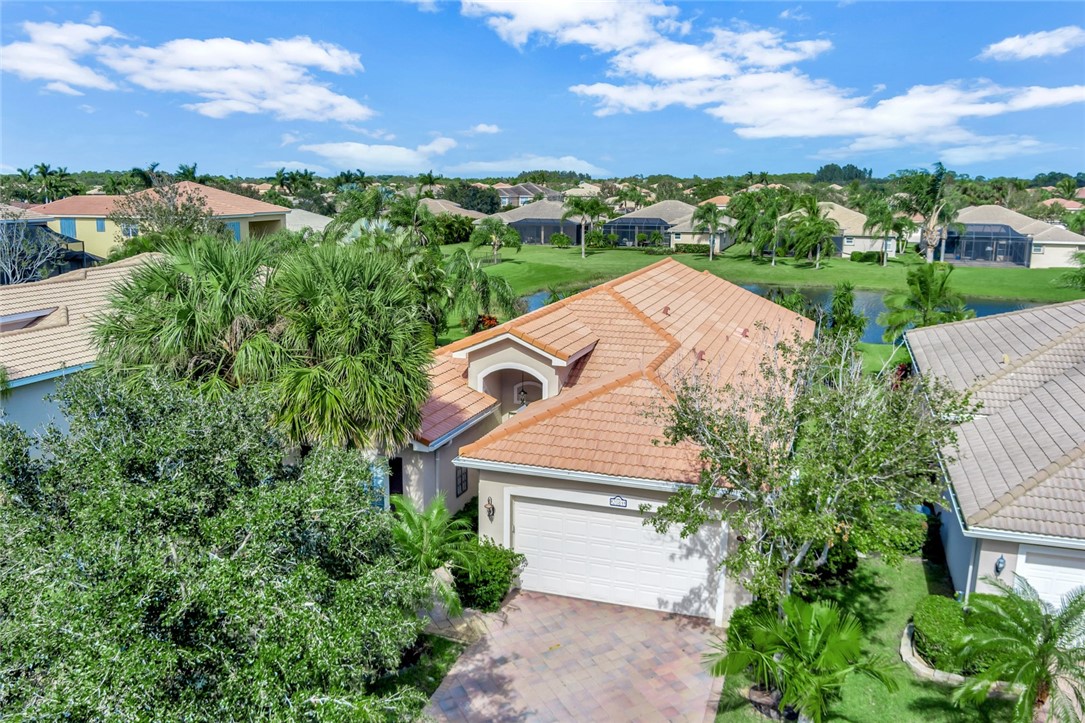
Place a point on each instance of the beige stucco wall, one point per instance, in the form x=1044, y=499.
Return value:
x=426, y=474
x=989, y=552
x=509, y=354
x=492, y=486
x=867, y=243
x=1054, y=256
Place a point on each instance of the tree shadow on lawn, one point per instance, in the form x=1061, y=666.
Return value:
x=937, y=577
x=934, y=703
x=862, y=596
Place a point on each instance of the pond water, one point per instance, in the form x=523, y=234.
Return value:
x=868, y=303
x=872, y=303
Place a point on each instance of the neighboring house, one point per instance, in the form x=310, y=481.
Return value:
x=547, y=419
x=524, y=193
x=998, y=236
x=298, y=219
x=583, y=190
x=1016, y=494
x=720, y=202
x=36, y=225
x=45, y=334
x=537, y=222
x=657, y=217
x=1063, y=203
x=685, y=231
x=438, y=206
x=87, y=217
x=853, y=235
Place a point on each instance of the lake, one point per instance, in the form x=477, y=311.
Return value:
x=868, y=303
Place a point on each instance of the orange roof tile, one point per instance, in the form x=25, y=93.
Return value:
x=644, y=327
x=221, y=203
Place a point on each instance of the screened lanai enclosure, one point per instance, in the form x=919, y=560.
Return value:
x=995, y=244
x=627, y=229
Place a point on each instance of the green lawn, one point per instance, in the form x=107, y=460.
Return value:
x=883, y=598
x=425, y=674
x=535, y=268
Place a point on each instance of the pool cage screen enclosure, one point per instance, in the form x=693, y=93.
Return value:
x=988, y=243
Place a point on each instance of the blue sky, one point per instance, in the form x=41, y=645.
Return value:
x=489, y=87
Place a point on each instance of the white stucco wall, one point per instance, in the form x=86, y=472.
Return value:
x=26, y=406
x=509, y=354
x=426, y=474
x=1054, y=256
x=990, y=551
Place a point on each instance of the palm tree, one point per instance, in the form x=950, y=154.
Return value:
x=1066, y=188
x=408, y=212
x=200, y=313
x=1035, y=646
x=589, y=210
x=708, y=217
x=812, y=230
x=431, y=539
x=423, y=268
x=929, y=196
x=496, y=234
x=807, y=656
x=426, y=180
x=145, y=177
x=357, y=349
x=929, y=300
x=282, y=180
x=881, y=219
x=477, y=293
x=1074, y=278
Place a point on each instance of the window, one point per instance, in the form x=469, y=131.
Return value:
x=849, y=241
x=461, y=481
x=129, y=230
x=677, y=236
x=1037, y=248
x=99, y=225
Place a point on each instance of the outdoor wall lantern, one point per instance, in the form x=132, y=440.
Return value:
x=1000, y=565
x=490, y=509
x=522, y=397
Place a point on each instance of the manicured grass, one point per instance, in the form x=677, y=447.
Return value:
x=883, y=598
x=882, y=356
x=535, y=268
x=428, y=671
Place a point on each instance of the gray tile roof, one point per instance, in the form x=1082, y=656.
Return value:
x=298, y=219
x=1020, y=463
x=1039, y=230
x=550, y=211
x=670, y=211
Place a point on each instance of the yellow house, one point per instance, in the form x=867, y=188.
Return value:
x=86, y=218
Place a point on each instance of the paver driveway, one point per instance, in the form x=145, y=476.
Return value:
x=560, y=659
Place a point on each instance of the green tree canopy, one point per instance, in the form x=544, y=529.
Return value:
x=496, y=234
x=929, y=300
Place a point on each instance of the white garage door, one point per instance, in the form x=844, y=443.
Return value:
x=1051, y=571
x=609, y=555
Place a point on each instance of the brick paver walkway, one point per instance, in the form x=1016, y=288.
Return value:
x=561, y=659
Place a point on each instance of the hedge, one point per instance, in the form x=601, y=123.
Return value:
x=495, y=568
x=658, y=250
x=691, y=248
x=939, y=626
x=560, y=241
x=866, y=257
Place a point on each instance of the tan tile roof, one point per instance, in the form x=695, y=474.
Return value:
x=1021, y=462
x=437, y=206
x=221, y=203
x=851, y=222
x=8, y=211
x=62, y=339
x=1039, y=230
x=647, y=325
x=669, y=211
x=718, y=200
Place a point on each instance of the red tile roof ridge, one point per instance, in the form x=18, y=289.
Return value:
x=647, y=320
x=548, y=348
x=561, y=403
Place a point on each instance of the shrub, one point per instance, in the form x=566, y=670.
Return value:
x=856, y=256
x=494, y=569
x=642, y=238
x=691, y=248
x=939, y=625
x=837, y=569
x=658, y=251
x=560, y=241
x=595, y=239
x=866, y=257
x=978, y=663
x=741, y=624
x=469, y=513
x=612, y=240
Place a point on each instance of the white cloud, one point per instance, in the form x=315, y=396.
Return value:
x=232, y=76
x=52, y=54
x=426, y=6
x=526, y=162
x=749, y=78
x=228, y=76
x=293, y=166
x=289, y=139
x=794, y=13
x=379, y=134
x=485, y=128
x=1044, y=44
x=143, y=114
x=381, y=158
x=86, y=108
x=95, y=18
x=993, y=148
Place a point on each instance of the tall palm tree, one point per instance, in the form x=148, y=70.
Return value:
x=1066, y=188
x=145, y=177
x=200, y=312
x=282, y=180
x=807, y=656
x=589, y=210
x=1033, y=645
x=357, y=349
x=708, y=217
x=426, y=180
x=476, y=292
x=883, y=220
x=408, y=212
x=812, y=230
x=929, y=195
x=496, y=234
x=929, y=300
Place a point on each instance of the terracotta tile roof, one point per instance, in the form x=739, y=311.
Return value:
x=647, y=325
x=63, y=337
x=222, y=203
x=451, y=402
x=718, y=200
x=1021, y=462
